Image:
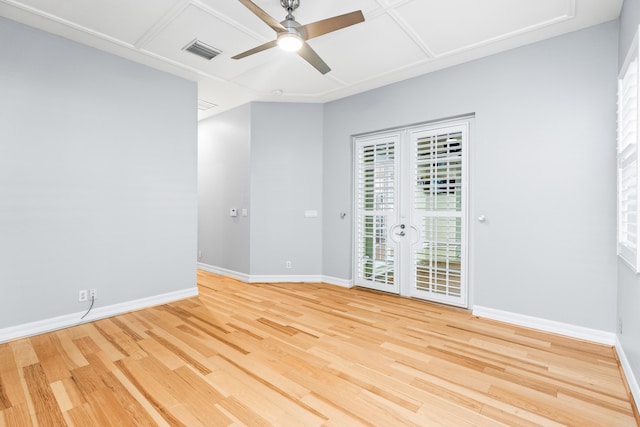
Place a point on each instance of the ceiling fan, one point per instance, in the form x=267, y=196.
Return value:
x=293, y=36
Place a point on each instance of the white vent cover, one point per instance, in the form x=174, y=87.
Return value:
x=205, y=105
x=203, y=50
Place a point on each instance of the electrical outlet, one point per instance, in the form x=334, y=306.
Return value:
x=83, y=295
x=93, y=293
x=620, y=326
x=288, y=264
x=199, y=254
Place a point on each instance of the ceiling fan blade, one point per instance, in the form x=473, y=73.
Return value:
x=267, y=45
x=328, y=25
x=264, y=16
x=313, y=58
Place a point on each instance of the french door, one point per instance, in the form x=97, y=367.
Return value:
x=410, y=204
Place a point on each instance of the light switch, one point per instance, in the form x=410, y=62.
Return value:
x=245, y=212
x=310, y=214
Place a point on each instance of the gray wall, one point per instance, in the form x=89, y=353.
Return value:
x=97, y=177
x=628, y=281
x=224, y=183
x=266, y=157
x=286, y=180
x=542, y=171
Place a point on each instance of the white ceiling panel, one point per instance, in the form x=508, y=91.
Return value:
x=452, y=25
x=399, y=39
x=375, y=47
x=125, y=20
x=196, y=23
x=234, y=11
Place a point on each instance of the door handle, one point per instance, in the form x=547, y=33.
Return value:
x=394, y=228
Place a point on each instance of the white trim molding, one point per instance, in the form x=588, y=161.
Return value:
x=74, y=319
x=569, y=330
x=275, y=278
x=271, y=278
x=258, y=278
x=224, y=272
x=345, y=283
x=632, y=381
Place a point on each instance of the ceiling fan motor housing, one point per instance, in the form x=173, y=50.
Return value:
x=293, y=27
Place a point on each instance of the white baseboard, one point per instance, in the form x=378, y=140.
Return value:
x=268, y=278
x=573, y=331
x=224, y=272
x=274, y=278
x=257, y=278
x=628, y=373
x=73, y=319
x=337, y=281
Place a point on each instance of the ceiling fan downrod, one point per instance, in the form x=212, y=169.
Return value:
x=290, y=5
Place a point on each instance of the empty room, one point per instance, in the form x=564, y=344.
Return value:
x=319, y=213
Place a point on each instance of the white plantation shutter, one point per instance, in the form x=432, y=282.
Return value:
x=628, y=160
x=410, y=192
x=376, y=202
x=438, y=210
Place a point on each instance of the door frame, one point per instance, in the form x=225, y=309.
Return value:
x=404, y=133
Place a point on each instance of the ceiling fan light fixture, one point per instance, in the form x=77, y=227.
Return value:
x=289, y=42
x=292, y=36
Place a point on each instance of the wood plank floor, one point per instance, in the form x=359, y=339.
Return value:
x=307, y=355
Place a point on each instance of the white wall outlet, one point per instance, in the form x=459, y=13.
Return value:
x=199, y=254
x=233, y=212
x=93, y=293
x=83, y=295
x=288, y=264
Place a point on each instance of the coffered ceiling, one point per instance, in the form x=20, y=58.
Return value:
x=399, y=39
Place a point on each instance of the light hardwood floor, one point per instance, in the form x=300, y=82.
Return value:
x=307, y=355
